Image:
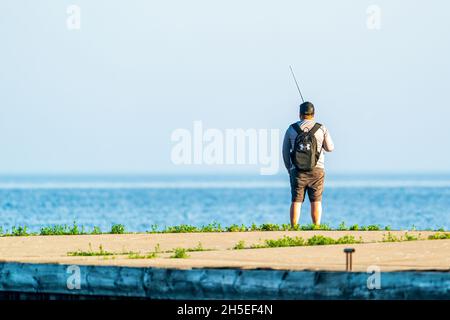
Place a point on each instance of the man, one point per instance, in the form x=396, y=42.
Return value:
x=303, y=153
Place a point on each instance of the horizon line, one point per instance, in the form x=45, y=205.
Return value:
x=208, y=173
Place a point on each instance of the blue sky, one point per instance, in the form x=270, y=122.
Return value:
x=105, y=98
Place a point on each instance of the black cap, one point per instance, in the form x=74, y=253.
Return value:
x=307, y=109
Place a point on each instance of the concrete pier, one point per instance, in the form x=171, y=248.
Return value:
x=161, y=283
x=117, y=266
x=218, y=251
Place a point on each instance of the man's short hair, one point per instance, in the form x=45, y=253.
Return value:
x=307, y=109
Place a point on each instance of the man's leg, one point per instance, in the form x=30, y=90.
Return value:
x=315, y=190
x=316, y=212
x=296, y=208
x=298, y=195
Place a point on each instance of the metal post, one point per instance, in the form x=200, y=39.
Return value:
x=349, y=259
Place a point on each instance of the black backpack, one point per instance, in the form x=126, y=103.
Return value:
x=305, y=154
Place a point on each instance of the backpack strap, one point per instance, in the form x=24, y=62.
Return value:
x=297, y=128
x=300, y=131
x=315, y=128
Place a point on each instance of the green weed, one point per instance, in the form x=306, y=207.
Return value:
x=240, y=245
x=236, y=228
x=342, y=226
x=285, y=242
x=199, y=247
x=439, y=236
x=90, y=252
x=118, y=229
x=19, y=231
x=180, y=253
x=96, y=230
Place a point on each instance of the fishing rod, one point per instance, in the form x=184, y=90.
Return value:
x=296, y=83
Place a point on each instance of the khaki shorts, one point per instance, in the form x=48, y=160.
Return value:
x=307, y=181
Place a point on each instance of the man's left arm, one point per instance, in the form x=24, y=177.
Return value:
x=287, y=151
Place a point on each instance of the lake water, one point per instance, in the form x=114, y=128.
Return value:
x=401, y=201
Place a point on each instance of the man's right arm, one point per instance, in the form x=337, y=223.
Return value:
x=287, y=150
x=328, y=144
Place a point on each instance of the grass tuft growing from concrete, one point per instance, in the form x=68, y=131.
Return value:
x=389, y=237
x=57, y=230
x=76, y=229
x=179, y=253
x=199, y=247
x=286, y=241
x=439, y=236
x=150, y=255
x=136, y=255
x=356, y=227
x=90, y=252
x=240, y=245
x=19, y=231
x=216, y=227
x=118, y=229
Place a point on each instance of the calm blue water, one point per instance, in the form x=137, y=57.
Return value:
x=139, y=202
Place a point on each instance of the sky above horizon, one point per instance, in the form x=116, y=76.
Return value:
x=107, y=97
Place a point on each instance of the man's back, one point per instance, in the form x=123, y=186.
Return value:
x=324, y=142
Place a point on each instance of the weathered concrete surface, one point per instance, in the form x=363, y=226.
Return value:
x=156, y=283
x=399, y=256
